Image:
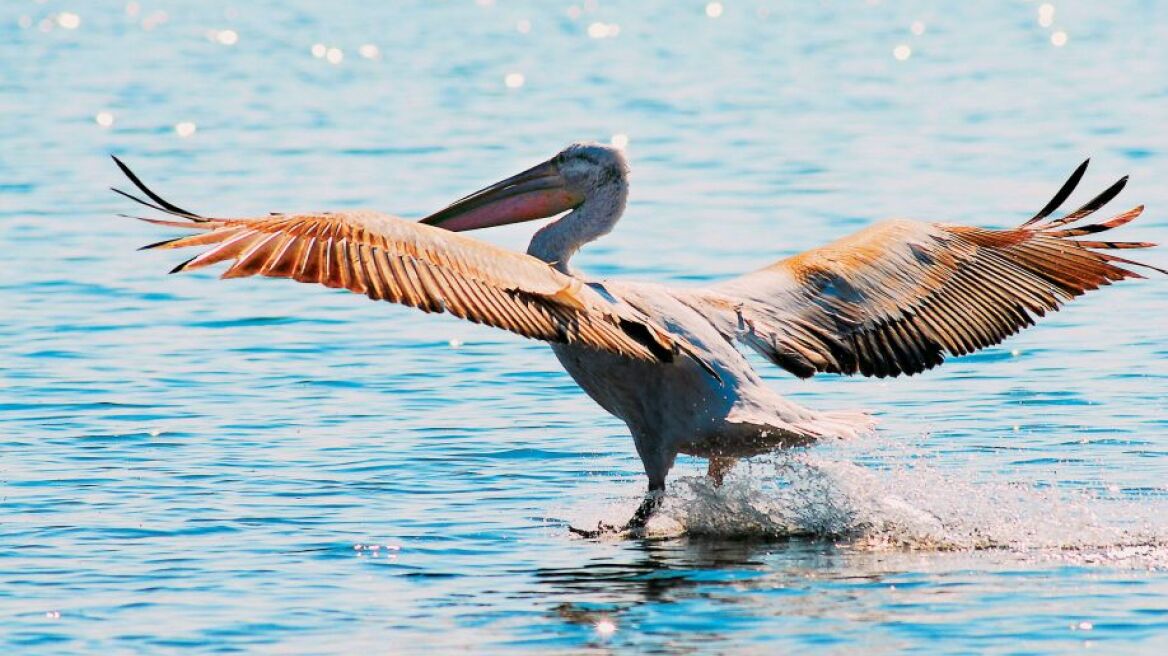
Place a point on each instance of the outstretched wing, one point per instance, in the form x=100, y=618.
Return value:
x=897, y=297
x=434, y=270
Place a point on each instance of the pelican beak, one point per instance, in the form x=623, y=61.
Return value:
x=537, y=193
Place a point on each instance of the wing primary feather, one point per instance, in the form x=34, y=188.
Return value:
x=182, y=266
x=1090, y=206
x=1064, y=192
x=186, y=225
x=167, y=207
x=1119, y=245
x=1123, y=260
x=1114, y=222
x=143, y=202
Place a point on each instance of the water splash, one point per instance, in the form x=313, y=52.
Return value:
x=894, y=503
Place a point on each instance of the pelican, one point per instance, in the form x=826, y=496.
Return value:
x=893, y=299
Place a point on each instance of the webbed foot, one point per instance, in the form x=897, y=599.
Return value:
x=634, y=526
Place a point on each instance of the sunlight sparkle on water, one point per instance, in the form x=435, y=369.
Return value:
x=514, y=80
x=185, y=129
x=917, y=28
x=902, y=52
x=1058, y=39
x=369, y=51
x=227, y=37
x=334, y=55
x=620, y=140
x=1046, y=14
x=319, y=50
x=154, y=20
x=714, y=9
x=605, y=627
x=523, y=26
x=603, y=30
x=68, y=20
x=104, y=119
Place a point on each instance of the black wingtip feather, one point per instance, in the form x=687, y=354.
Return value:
x=1090, y=206
x=140, y=201
x=1064, y=192
x=179, y=268
x=165, y=205
x=161, y=243
x=1099, y=201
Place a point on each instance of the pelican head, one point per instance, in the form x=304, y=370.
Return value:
x=581, y=174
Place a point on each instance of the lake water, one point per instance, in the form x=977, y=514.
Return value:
x=254, y=465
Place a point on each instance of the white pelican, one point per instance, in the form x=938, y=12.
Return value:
x=891, y=299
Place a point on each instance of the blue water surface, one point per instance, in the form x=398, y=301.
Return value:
x=189, y=465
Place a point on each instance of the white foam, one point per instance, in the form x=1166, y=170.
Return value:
x=910, y=503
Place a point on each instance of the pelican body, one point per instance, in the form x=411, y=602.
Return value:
x=893, y=299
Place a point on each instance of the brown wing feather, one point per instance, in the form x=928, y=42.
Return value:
x=387, y=258
x=897, y=297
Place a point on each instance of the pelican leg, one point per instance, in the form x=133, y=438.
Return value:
x=719, y=467
x=649, y=505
